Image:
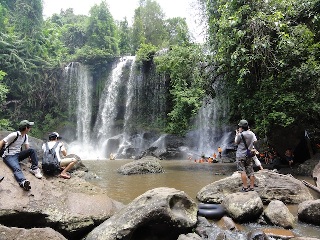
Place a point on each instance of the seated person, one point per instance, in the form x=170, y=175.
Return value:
x=289, y=157
x=65, y=163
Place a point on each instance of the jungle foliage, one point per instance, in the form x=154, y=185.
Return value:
x=268, y=54
x=265, y=52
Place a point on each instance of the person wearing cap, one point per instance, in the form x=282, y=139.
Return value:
x=13, y=154
x=244, y=163
x=65, y=163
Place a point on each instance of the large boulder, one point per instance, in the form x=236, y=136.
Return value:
x=14, y=233
x=167, y=147
x=72, y=207
x=162, y=212
x=270, y=186
x=146, y=165
x=243, y=206
x=278, y=214
x=309, y=211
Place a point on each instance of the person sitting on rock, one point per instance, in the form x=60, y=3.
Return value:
x=65, y=163
x=289, y=157
x=13, y=154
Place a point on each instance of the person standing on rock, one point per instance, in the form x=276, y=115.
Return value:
x=13, y=153
x=244, y=163
x=65, y=163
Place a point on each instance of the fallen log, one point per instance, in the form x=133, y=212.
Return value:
x=311, y=186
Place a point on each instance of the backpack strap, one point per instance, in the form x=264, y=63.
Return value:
x=15, y=139
x=244, y=141
x=54, y=146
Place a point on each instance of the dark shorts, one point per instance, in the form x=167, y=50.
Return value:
x=245, y=165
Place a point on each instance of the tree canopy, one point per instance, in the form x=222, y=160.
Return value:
x=266, y=54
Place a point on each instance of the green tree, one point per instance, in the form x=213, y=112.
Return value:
x=178, y=32
x=28, y=17
x=138, y=37
x=266, y=52
x=187, y=84
x=153, y=22
x=124, y=35
x=101, y=29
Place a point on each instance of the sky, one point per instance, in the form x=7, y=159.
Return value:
x=125, y=8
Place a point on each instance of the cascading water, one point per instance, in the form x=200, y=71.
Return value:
x=104, y=126
x=131, y=100
x=210, y=129
x=80, y=95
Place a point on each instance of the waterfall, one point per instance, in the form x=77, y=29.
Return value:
x=210, y=129
x=107, y=107
x=79, y=101
x=117, y=109
x=130, y=96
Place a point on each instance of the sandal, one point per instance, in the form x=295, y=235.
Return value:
x=244, y=189
x=251, y=189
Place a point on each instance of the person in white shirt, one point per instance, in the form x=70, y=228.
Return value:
x=13, y=153
x=244, y=163
x=65, y=163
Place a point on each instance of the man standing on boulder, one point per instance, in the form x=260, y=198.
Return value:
x=244, y=163
x=13, y=154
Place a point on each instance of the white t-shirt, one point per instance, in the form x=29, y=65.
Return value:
x=58, y=149
x=16, y=146
x=250, y=138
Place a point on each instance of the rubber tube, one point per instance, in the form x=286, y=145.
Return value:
x=211, y=211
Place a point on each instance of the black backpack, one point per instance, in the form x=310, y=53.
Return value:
x=50, y=162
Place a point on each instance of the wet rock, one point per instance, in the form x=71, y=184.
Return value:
x=309, y=211
x=189, y=236
x=14, y=233
x=304, y=238
x=229, y=223
x=162, y=212
x=243, y=206
x=257, y=235
x=278, y=214
x=306, y=168
x=270, y=186
x=72, y=207
x=143, y=166
x=276, y=233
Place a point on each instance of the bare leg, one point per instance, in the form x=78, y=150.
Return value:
x=67, y=168
x=251, y=181
x=244, y=179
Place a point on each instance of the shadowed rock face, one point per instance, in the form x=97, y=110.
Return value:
x=160, y=213
x=270, y=186
x=72, y=207
x=309, y=211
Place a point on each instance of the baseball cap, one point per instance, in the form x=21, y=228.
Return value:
x=243, y=123
x=25, y=123
x=54, y=135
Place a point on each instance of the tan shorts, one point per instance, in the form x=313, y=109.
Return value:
x=245, y=165
x=66, y=161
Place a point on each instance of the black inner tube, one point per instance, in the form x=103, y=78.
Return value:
x=211, y=211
